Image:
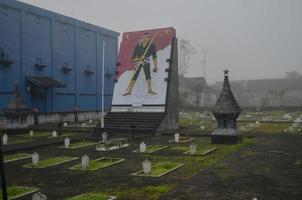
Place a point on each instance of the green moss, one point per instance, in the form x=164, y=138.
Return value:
x=50, y=162
x=90, y=196
x=18, y=156
x=17, y=191
x=99, y=163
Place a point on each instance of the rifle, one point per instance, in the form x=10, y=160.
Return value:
x=142, y=59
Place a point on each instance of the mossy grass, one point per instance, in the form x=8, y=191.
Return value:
x=50, y=162
x=153, y=192
x=87, y=125
x=92, y=196
x=19, y=140
x=270, y=128
x=159, y=169
x=201, y=151
x=152, y=148
x=66, y=134
x=193, y=164
x=182, y=139
x=26, y=138
x=98, y=164
x=15, y=192
x=80, y=145
x=18, y=156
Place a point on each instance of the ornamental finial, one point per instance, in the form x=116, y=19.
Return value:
x=226, y=72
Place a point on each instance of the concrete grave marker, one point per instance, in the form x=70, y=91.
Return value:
x=4, y=139
x=35, y=158
x=147, y=167
x=31, y=133
x=104, y=137
x=66, y=142
x=85, y=162
x=54, y=134
x=192, y=148
x=142, y=147
x=176, y=137
x=39, y=196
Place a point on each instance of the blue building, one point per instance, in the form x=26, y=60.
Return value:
x=59, y=61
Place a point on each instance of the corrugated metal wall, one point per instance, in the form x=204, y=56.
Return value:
x=31, y=35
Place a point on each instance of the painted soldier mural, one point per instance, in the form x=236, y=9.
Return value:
x=141, y=80
x=141, y=56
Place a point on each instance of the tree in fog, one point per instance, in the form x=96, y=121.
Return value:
x=183, y=95
x=186, y=51
x=293, y=74
x=197, y=94
x=275, y=96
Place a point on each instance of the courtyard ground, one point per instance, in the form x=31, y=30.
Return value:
x=267, y=165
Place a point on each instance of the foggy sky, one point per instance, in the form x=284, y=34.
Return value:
x=252, y=38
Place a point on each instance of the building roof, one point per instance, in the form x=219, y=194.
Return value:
x=44, y=81
x=226, y=102
x=193, y=83
x=262, y=85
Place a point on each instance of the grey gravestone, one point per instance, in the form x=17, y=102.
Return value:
x=39, y=196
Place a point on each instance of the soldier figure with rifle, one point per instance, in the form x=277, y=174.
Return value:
x=141, y=56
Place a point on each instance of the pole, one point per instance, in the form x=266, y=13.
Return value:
x=103, y=84
x=2, y=171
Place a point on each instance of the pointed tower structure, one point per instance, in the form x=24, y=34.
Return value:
x=16, y=109
x=226, y=112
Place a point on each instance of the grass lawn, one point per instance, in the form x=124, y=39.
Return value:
x=152, y=148
x=182, y=139
x=50, y=162
x=270, y=128
x=25, y=138
x=146, y=192
x=99, y=163
x=66, y=134
x=92, y=196
x=201, y=151
x=15, y=192
x=18, y=156
x=19, y=140
x=160, y=169
x=80, y=145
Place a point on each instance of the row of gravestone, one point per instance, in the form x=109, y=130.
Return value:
x=53, y=133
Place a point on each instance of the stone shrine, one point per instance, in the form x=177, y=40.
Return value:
x=226, y=112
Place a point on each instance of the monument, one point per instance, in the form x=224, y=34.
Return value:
x=226, y=112
x=16, y=109
x=145, y=98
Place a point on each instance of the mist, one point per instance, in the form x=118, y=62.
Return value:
x=254, y=39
